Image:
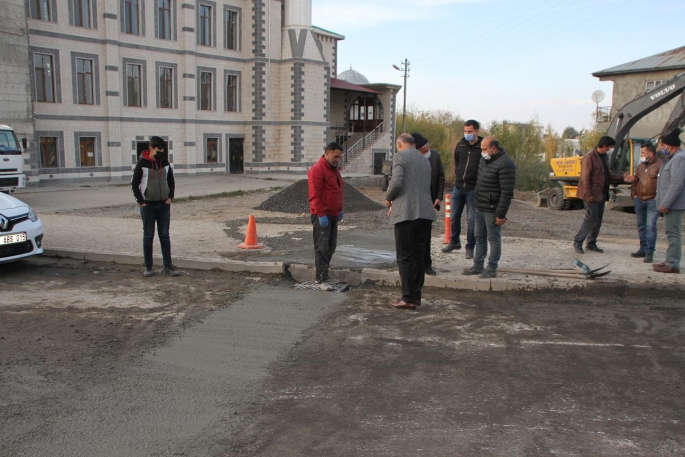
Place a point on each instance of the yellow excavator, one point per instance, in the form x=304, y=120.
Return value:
x=565, y=174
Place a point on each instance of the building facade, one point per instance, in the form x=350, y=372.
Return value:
x=233, y=86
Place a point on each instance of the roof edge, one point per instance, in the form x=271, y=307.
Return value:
x=328, y=33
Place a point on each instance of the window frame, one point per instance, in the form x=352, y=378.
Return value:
x=33, y=10
x=200, y=71
x=143, y=83
x=92, y=13
x=237, y=30
x=97, y=149
x=41, y=151
x=95, y=85
x=172, y=20
x=56, y=74
x=126, y=24
x=238, y=99
x=654, y=83
x=174, y=84
x=211, y=22
x=217, y=144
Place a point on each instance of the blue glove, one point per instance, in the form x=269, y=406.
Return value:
x=323, y=221
x=341, y=216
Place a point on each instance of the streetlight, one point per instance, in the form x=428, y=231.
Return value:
x=405, y=68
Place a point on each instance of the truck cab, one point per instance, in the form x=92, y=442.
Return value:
x=11, y=161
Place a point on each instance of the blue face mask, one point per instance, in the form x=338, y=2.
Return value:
x=469, y=136
x=666, y=152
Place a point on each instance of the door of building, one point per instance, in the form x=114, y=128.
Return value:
x=235, y=155
x=378, y=158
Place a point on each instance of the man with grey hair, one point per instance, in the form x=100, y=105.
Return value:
x=411, y=212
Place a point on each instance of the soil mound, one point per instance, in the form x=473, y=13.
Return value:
x=295, y=199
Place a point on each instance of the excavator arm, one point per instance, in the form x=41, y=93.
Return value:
x=638, y=108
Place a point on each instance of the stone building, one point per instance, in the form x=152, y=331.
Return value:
x=634, y=78
x=233, y=86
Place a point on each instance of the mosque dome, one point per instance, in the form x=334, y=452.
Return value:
x=353, y=77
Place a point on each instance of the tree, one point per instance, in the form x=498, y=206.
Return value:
x=524, y=144
x=552, y=143
x=569, y=133
x=589, y=139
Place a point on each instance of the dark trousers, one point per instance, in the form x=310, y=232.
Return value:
x=463, y=199
x=410, y=244
x=427, y=261
x=156, y=213
x=325, y=241
x=589, y=229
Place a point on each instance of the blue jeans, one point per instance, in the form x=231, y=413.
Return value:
x=158, y=213
x=487, y=232
x=647, y=214
x=461, y=198
x=674, y=221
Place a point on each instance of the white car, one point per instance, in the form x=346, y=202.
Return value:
x=21, y=231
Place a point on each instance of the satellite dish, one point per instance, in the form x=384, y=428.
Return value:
x=597, y=96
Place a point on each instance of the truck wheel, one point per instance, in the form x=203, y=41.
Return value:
x=385, y=181
x=555, y=199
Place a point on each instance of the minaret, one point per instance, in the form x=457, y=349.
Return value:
x=305, y=67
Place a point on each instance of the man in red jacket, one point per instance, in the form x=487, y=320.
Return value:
x=326, y=189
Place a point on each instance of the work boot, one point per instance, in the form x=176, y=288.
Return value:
x=171, y=271
x=469, y=253
x=649, y=257
x=594, y=248
x=430, y=271
x=488, y=274
x=472, y=271
x=578, y=248
x=638, y=254
x=148, y=272
x=451, y=247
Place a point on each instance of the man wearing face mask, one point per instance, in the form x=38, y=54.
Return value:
x=437, y=188
x=493, y=195
x=670, y=197
x=326, y=189
x=467, y=156
x=593, y=189
x=643, y=192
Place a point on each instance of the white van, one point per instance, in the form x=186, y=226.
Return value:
x=12, y=175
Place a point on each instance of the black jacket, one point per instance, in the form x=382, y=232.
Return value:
x=466, y=159
x=496, y=182
x=437, y=176
x=153, y=180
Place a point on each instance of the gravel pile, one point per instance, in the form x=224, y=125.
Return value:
x=295, y=199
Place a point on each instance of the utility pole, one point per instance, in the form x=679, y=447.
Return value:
x=405, y=69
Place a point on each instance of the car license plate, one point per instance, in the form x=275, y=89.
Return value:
x=15, y=238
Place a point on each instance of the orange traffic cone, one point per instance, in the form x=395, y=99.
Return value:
x=448, y=218
x=251, y=236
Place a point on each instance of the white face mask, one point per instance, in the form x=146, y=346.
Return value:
x=610, y=150
x=485, y=155
x=643, y=159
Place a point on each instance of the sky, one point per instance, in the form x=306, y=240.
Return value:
x=495, y=60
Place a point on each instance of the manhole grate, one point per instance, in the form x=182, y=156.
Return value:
x=311, y=285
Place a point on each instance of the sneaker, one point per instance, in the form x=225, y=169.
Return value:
x=451, y=247
x=472, y=271
x=469, y=253
x=430, y=271
x=488, y=274
x=638, y=254
x=578, y=248
x=171, y=271
x=148, y=272
x=649, y=258
x=594, y=248
x=325, y=285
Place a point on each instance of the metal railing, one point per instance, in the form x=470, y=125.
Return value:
x=363, y=142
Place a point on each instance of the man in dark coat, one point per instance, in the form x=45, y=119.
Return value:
x=593, y=189
x=437, y=188
x=467, y=156
x=493, y=195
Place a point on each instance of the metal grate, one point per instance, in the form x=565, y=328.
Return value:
x=10, y=250
x=9, y=182
x=311, y=285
